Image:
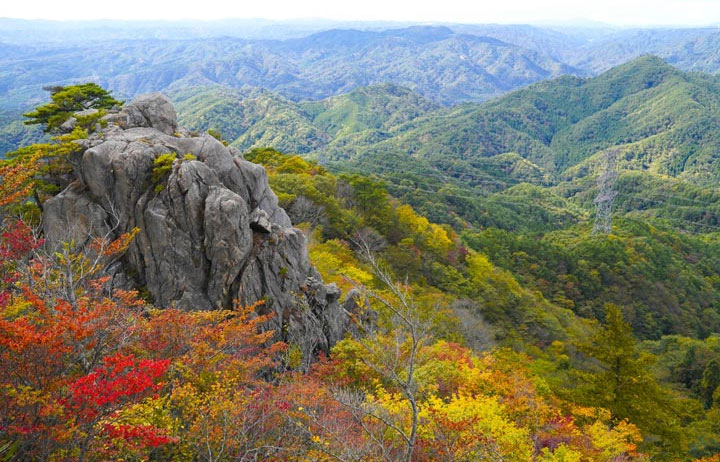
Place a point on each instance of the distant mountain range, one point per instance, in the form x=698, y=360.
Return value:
x=445, y=64
x=663, y=118
x=436, y=62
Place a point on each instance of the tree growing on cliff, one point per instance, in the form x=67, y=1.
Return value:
x=68, y=100
x=43, y=169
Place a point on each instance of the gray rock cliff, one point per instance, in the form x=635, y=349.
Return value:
x=211, y=231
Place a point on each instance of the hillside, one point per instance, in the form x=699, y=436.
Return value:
x=260, y=118
x=557, y=124
x=475, y=156
x=14, y=134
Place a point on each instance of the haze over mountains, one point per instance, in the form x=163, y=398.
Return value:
x=435, y=61
x=448, y=64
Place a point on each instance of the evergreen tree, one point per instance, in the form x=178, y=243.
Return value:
x=621, y=380
x=68, y=100
x=710, y=382
x=689, y=370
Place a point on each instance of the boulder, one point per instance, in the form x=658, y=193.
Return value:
x=152, y=110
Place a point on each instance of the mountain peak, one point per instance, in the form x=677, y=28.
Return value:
x=422, y=33
x=646, y=71
x=647, y=61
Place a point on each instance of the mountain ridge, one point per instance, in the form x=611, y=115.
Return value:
x=557, y=129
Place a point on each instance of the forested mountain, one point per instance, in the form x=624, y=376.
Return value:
x=415, y=279
x=435, y=61
x=261, y=118
x=644, y=105
x=662, y=122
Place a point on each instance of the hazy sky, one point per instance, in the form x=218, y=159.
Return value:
x=621, y=12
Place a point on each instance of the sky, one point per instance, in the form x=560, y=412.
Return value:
x=618, y=12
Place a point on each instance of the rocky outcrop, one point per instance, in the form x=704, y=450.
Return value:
x=211, y=230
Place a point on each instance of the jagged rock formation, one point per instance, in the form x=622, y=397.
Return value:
x=211, y=231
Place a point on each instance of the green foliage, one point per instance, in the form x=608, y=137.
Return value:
x=162, y=166
x=217, y=135
x=307, y=191
x=251, y=120
x=68, y=100
x=14, y=133
x=710, y=382
x=8, y=451
x=665, y=281
x=49, y=169
x=620, y=379
x=366, y=109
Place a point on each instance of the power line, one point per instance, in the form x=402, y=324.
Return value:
x=443, y=177
x=439, y=175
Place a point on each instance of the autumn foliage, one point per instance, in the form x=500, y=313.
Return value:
x=106, y=377
x=92, y=373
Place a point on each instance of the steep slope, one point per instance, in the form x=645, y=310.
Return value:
x=380, y=107
x=665, y=281
x=250, y=118
x=528, y=121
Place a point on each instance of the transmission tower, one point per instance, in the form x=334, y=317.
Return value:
x=606, y=193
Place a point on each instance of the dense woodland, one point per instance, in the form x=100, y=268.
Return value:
x=495, y=325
